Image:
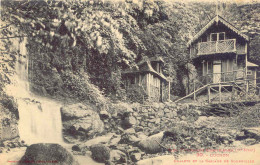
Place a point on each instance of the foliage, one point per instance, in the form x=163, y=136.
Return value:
x=101, y=38
x=74, y=36
x=136, y=94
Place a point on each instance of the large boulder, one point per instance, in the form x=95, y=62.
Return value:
x=100, y=153
x=78, y=119
x=151, y=144
x=48, y=154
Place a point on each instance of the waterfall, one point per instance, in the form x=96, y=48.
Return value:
x=39, y=117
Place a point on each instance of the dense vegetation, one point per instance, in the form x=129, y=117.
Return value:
x=75, y=44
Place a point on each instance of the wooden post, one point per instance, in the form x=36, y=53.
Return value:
x=216, y=46
x=198, y=48
x=194, y=90
x=220, y=94
x=169, y=90
x=235, y=44
x=246, y=71
x=232, y=93
x=247, y=82
x=148, y=84
x=207, y=67
x=188, y=76
x=208, y=93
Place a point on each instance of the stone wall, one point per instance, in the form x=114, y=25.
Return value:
x=151, y=119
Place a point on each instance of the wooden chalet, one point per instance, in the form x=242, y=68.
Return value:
x=219, y=52
x=148, y=77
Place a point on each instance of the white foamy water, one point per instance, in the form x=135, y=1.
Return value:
x=39, y=117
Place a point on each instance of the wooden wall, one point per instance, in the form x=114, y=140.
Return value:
x=149, y=82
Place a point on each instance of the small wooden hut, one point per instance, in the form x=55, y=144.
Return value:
x=149, y=78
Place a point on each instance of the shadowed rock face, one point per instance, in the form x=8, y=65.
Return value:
x=81, y=120
x=8, y=121
x=48, y=154
x=152, y=143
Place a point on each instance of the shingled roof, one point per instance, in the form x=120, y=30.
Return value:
x=145, y=66
x=217, y=19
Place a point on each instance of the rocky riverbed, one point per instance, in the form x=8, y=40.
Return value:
x=120, y=136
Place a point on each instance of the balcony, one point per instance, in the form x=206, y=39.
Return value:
x=212, y=47
x=227, y=77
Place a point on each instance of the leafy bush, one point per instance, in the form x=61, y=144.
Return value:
x=136, y=94
x=78, y=85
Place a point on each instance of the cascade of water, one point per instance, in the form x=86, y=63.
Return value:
x=39, y=117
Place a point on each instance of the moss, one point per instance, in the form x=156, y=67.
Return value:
x=9, y=103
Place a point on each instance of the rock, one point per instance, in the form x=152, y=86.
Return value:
x=121, y=108
x=75, y=111
x=129, y=139
x=129, y=122
x=104, y=114
x=100, y=153
x=141, y=135
x=114, y=141
x=249, y=141
x=47, y=153
x=135, y=157
x=100, y=139
x=151, y=144
x=166, y=110
x=252, y=133
x=78, y=119
x=133, y=139
x=130, y=131
x=160, y=160
x=160, y=113
x=139, y=128
x=76, y=148
x=118, y=157
x=12, y=145
x=9, y=119
x=157, y=121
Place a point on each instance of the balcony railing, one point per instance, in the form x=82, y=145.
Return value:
x=222, y=46
x=223, y=77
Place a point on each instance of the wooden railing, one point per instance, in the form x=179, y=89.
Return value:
x=212, y=78
x=222, y=46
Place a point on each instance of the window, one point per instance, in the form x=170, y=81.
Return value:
x=221, y=36
x=249, y=72
x=217, y=36
x=213, y=37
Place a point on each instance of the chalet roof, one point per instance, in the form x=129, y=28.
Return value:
x=155, y=59
x=250, y=64
x=216, y=20
x=145, y=66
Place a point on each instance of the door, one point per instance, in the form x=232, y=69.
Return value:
x=216, y=73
